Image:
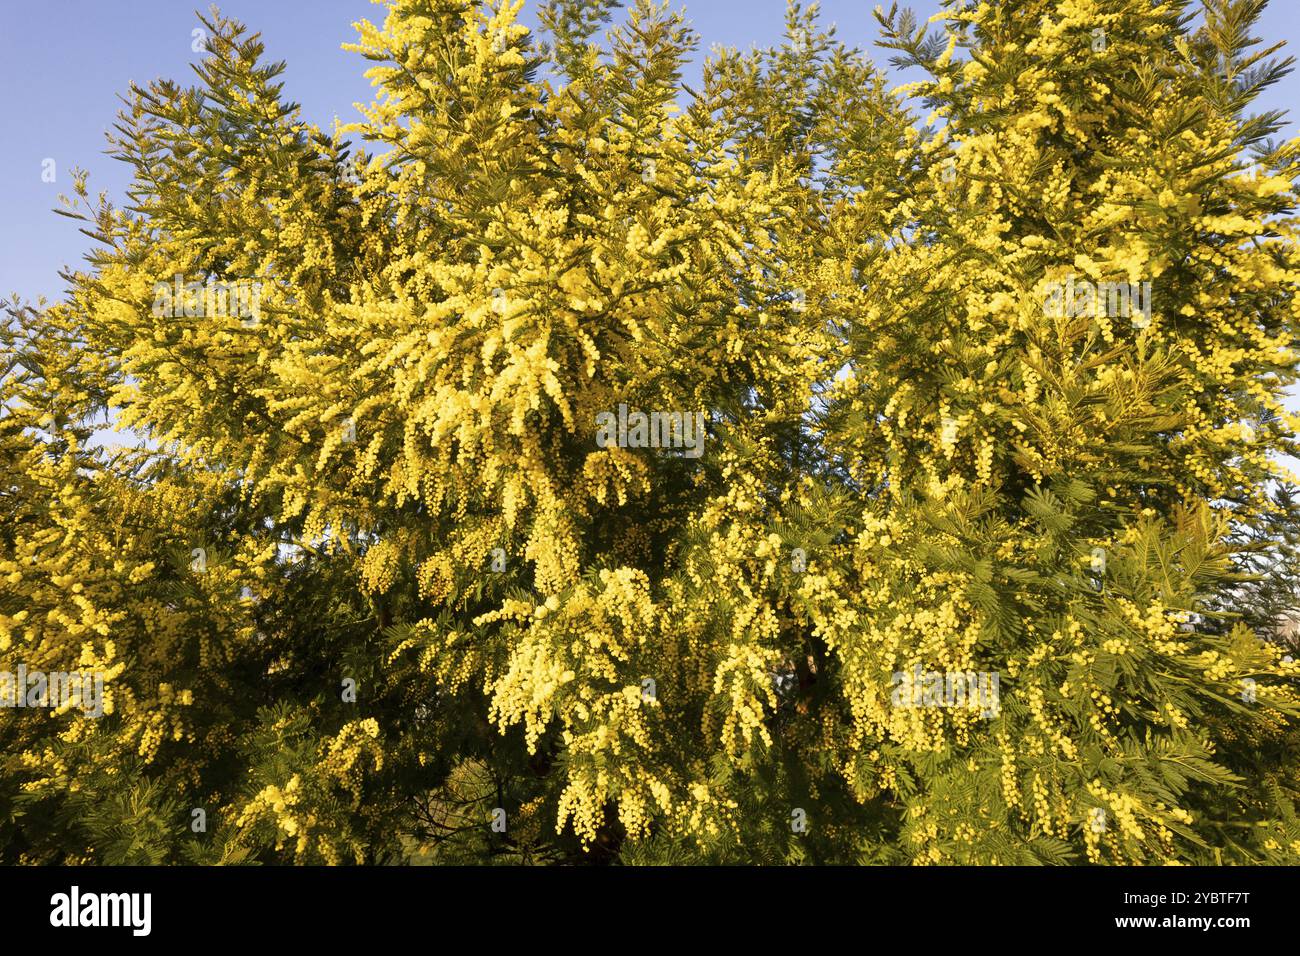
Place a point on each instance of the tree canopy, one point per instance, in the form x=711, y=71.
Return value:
x=577, y=465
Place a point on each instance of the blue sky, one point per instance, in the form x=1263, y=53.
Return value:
x=64, y=62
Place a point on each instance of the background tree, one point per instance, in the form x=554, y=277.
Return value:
x=1058, y=494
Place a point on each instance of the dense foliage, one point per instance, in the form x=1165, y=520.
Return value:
x=382, y=582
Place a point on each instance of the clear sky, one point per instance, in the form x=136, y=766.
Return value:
x=64, y=62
